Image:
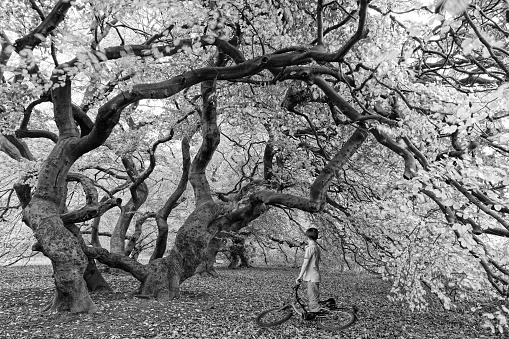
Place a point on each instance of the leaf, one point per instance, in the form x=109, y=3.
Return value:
x=448, y=202
x=40, y=37
x=414, y=31
x=456, y=7
x=449, y=129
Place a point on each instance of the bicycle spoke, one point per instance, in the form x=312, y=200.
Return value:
x=336, y=319
x=274, y=316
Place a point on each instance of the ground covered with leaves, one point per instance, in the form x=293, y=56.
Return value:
x=222, y=307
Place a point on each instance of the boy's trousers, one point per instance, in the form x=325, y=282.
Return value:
x=313, y=296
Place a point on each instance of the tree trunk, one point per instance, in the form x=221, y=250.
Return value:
x=171, y=203
x=94, y=235
x=42, y=214
x=238, y=255
x=67, y=258
x=228, y=225
x=206, y=267
x=94, y=279
x=166, y=274
x=139, y=195
x=133, y=245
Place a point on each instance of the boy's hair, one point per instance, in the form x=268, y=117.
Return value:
x=312, y=233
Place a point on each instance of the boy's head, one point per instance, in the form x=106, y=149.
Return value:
x=312, y=233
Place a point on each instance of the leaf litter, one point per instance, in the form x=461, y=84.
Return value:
x=223, y=307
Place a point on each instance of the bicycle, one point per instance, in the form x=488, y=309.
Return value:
x=333, y=318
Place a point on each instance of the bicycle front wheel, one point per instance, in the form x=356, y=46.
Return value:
x=274, y=316
x=336, y=319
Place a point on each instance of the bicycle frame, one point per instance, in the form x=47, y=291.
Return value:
x=304, y=313
x=332, y=318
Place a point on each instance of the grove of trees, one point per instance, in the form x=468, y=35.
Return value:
x=385, y=122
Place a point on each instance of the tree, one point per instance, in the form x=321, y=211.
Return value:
x=368, y=85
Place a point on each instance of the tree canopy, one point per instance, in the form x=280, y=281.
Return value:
x=385, y=121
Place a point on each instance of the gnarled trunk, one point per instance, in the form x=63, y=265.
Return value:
x=67, y=258
x=238, y=255
x=171, y=203
x=206, y=267
x=166, y=274
x=194, y=236
x=139, y=195
x=94, y=279
x=42, y=214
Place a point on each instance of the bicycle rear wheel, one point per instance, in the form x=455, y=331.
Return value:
x=274, y=316
x=336, y=319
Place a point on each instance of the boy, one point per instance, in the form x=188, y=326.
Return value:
x=310, y=271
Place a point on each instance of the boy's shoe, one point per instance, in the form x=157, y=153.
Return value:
x=309, y=316
x=321, y=312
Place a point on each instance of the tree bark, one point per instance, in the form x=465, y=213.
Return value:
x=171, y=203
x=14, y=147
x=238, y=257
x=94, y=235
x=206, y=266
x=139, y=195
x=42, y=214
x=92, y=276
x=132, y=244
x=67, y=258
x=166, y=274
x=94, y=279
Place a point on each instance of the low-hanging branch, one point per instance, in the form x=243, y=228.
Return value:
x=139, y=271
x=90, y=212
x=478, y=203
x=93, y=208
x=36, y=134
x=317, y=193
x=452, y=218
x=477, y=229
x=487, y=201
x=381, y=137
x=289, y=243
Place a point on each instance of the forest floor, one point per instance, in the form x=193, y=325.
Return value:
x=223, y=307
